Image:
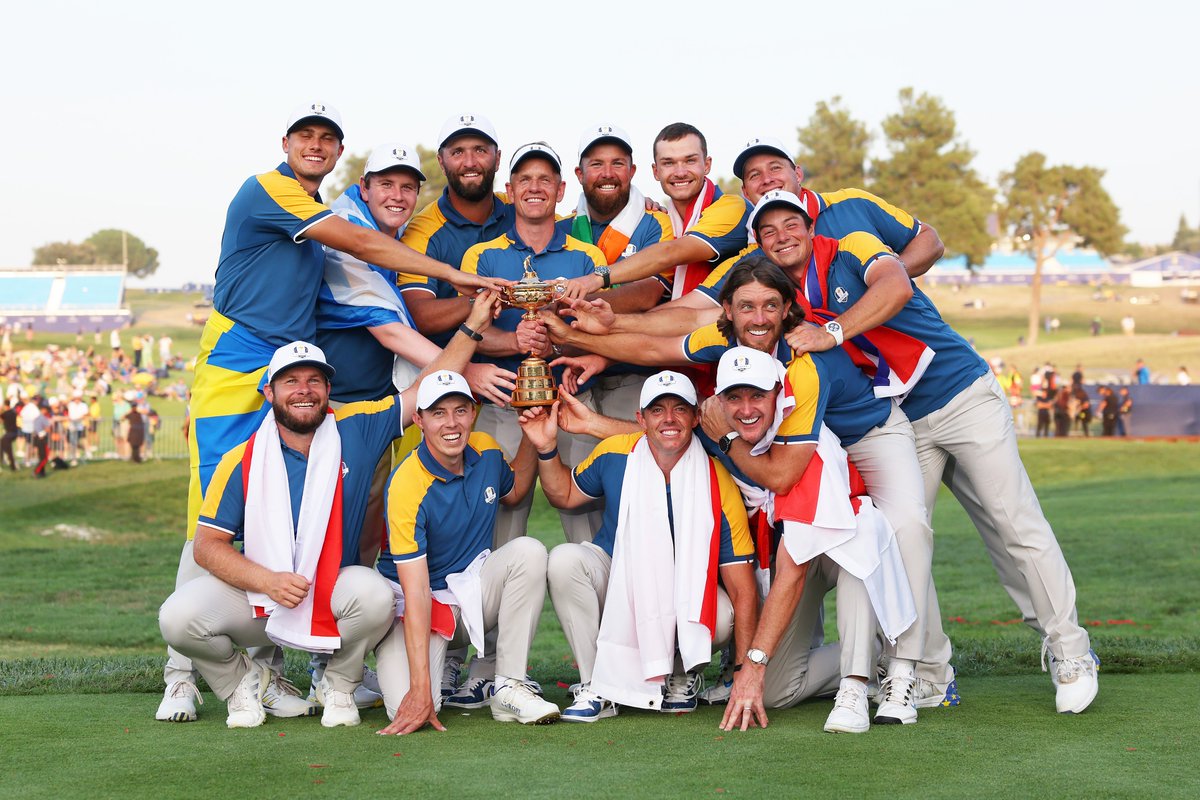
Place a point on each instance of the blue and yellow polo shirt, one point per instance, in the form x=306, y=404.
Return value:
x=367, y=430
x=602, y=473
x=722, y=226
x=442, y=517
x=955, y=364
x=441, y=233
x=505, y=257
x=827, y=387
x=268, y=276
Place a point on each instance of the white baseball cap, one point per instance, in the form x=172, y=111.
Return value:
x=535, y=150
x=774, y=199
x=316, y=112
x=760, y=144
x=439, y=384
x=467, y=123
x=393, y=156
x=664, y=383
x=298, y=354
x=604, y=133
x=745, y=366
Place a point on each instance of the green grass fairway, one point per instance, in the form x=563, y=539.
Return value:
x=87, y=556
x=1003, y=742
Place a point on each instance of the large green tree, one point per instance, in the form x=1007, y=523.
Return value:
x=351, y=166
x=833, y=148
x=64, y=253
x=1186, y=238
x=928, y=172
x=1046, y=207
x=109, y=246
x=114, y=246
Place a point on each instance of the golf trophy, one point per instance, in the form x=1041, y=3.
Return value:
x=535, y=381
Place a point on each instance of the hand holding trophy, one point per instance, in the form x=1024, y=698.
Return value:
x=535, y=380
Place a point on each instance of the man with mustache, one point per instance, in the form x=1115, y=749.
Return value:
x=303, y=477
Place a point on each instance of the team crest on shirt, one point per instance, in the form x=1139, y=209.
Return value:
x=345, y=469
x=489, y=495
x=840, y=294
x=630, y=249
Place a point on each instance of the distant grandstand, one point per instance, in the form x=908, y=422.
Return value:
x=64, y=299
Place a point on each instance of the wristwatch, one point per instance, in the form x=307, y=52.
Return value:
x=834, y=329
x=756, y=656
x=605, y=275
x=726, y=441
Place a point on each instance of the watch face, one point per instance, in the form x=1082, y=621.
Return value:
x=725, y=443
x=832, y=326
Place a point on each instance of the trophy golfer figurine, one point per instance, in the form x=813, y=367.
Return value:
x=535, y=381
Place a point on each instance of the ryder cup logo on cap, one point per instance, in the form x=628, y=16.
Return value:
x=298, y=354
x=773, y=199
x=667, y=383
x=745, y=366
x=598, y=134
x=316, y=112
x=393, y=156
x=461, y=124
x=440, y=384
x=535, y=150
x=761, y=144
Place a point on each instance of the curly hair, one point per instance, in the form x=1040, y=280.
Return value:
x=757, y=268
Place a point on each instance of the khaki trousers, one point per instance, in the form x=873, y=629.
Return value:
x=513, y=580
x=207, y=620
x=972, y=441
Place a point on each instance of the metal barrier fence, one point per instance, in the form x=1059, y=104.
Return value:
x=107, y=442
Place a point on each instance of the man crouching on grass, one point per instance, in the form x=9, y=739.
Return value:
x=296, y=493
x=442, y=503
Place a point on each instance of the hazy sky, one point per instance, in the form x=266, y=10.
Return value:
x=149, y=115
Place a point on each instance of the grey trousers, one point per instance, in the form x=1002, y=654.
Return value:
x=207, y=620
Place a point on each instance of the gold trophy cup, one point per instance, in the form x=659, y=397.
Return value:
x=535, y=381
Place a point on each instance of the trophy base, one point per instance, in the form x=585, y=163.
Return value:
x=535, y=385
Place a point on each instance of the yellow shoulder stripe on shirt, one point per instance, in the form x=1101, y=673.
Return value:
x=805, y=381
x=290, y=195
x=735, y=512
x=481, y=442
x=864, y=246
x=470, y=262
x=723, y=269
x=364, y=407
x=721, y=217
x=220, y=479
x=900, y=215
x=622, y=444
x=421, y=228
x=593, y=252
x=406, y=490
